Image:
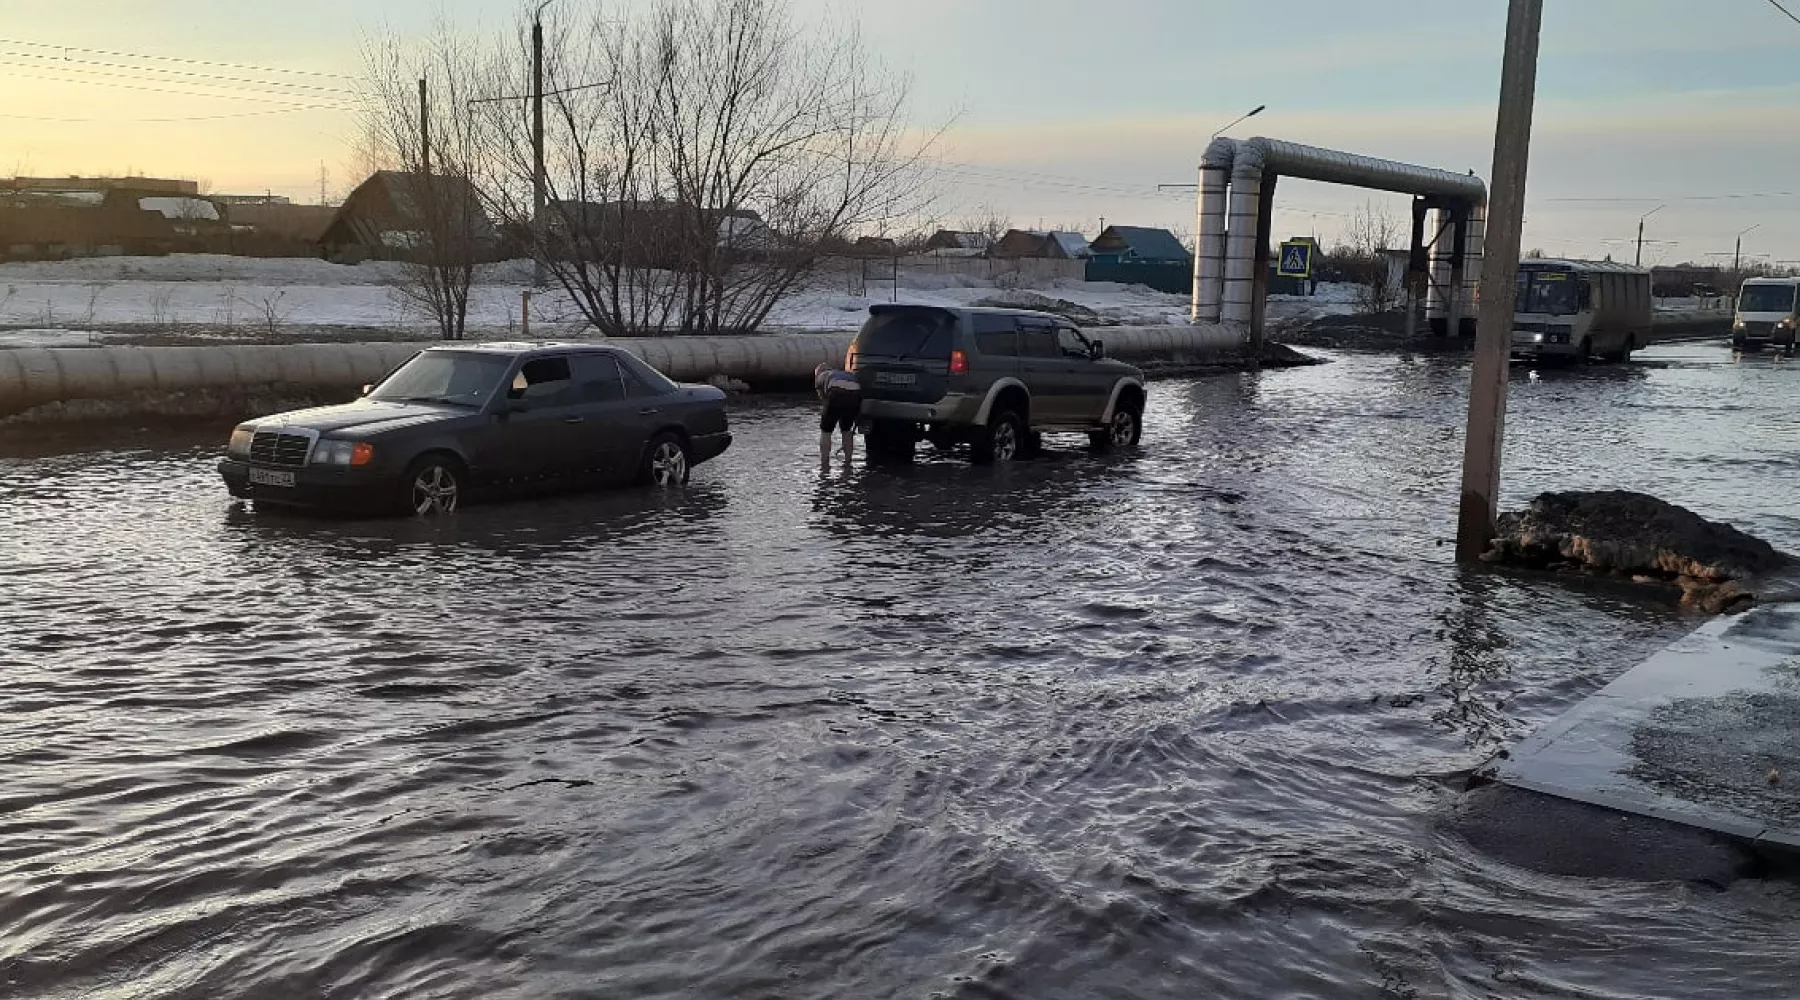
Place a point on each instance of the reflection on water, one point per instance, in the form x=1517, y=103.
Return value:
x=1157, y=724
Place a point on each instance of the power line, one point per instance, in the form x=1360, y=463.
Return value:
x=183, y=118
x=1777, y=5
x=270, y=99
x=176, y=59
x=65, y=64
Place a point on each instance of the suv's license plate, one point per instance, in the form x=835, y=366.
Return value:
x=895, y=378
x=267, y=477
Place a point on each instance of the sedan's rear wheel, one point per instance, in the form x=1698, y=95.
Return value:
x=431, y=487
x=666, y=462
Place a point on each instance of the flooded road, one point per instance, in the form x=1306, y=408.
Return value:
x=1182, y=723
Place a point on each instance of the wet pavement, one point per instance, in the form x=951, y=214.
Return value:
x=1187, y=722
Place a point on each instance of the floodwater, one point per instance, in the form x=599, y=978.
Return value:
x=1183, y=723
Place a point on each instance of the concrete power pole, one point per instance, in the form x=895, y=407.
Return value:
x=537, y=150
x=424, y=131
x=1499, y=273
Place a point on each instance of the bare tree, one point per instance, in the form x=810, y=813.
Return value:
x=990, y=222
x=700, y=158
x=1362, y=256
x=433, y=192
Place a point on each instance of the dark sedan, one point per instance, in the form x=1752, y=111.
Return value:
x=463, y=421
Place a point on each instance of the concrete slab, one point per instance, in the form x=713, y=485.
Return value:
x=1705, y=733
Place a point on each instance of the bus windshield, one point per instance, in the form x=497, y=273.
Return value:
x=1766, y=299
x=1552, y=292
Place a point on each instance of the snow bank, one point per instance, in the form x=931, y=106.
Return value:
x=253, y=294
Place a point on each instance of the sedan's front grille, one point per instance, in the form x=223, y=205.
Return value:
x=276, y=448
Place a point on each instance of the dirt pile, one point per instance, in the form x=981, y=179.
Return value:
x=1634, y=536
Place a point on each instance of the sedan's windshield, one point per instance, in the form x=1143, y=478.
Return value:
x=1551, y=292
x=463, y=379
x=1766, y=299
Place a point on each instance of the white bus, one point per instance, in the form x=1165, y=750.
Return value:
x=1575, y=310
x=1767, y=313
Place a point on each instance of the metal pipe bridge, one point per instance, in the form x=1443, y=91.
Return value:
x=1237, y=200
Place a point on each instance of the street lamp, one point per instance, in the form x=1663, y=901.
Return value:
x=1737, y=251
x=1252, y=113
x=1640, y=246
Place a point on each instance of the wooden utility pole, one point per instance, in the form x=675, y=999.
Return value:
x=1499, y=274
x=537, y=148
x=424, y=131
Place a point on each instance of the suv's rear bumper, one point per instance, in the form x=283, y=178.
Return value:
x=952, y=409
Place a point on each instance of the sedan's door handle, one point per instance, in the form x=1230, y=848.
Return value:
x=648, y=410
x=573, y=420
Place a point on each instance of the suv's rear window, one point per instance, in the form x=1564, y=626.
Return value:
x=906, y=333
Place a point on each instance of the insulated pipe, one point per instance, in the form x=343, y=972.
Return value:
x=1437, y=238
x=1209, y=256
x=1473, y=241
x=31, y=377
x=1237, y=303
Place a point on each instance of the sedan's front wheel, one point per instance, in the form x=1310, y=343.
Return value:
x=432, y=487
x=666, y=462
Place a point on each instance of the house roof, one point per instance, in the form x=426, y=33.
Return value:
x=401, y=188
x=1146, y=242
x=959, y=239
x=1072, y=244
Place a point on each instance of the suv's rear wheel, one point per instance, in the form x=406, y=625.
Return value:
x=1001, y=440
x=1124, y=430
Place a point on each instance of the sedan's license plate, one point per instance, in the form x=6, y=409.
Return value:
x=895, y=378
x=269, y=477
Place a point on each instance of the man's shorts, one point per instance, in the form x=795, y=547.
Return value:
x=841, y=409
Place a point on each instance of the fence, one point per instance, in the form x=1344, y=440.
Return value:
x=867, y=275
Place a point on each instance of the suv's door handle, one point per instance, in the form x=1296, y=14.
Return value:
x=573, y=420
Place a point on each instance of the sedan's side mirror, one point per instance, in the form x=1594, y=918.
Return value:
x=514, y=404
x=1098, y=349
x=367, y=389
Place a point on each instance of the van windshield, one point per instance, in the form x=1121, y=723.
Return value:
x=1766, y=299
x=906, y=333
x=1552, y=292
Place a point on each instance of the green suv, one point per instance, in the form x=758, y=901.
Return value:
x=994, y=379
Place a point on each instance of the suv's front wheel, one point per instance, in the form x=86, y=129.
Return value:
x=1124, y=430
x=1001, y=440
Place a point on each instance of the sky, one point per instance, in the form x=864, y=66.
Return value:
x=1058, y=112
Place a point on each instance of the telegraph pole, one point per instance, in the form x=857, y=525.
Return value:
x=537, y=147
x=1499, y=271
x=424, y=131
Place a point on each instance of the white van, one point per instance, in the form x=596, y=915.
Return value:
x=1768, y=311
x=1575, y=310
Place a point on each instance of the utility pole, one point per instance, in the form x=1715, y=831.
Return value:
x=537, y=147
x=1506, y=218
x=424, y=131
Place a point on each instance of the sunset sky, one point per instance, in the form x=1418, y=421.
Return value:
x=1061, y=111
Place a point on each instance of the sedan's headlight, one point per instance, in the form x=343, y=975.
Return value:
x=1737, y=324
x=1786, y=322
x=342, y=453
x=1538, y=338
x=239, y=446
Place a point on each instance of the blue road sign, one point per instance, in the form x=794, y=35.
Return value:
x=1296, y=260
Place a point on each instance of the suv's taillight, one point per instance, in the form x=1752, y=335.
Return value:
x=959, y=363
x=850, y=359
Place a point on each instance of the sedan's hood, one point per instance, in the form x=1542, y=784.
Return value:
x=365, y=416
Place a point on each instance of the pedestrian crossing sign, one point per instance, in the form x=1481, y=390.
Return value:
x=1296, y=260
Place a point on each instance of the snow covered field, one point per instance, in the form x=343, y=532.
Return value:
x=95, y=299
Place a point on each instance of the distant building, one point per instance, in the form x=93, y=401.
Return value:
x=59, y=218
x=653, y=233
x=251, y=199
x=1138, y=245
x=1140, y=255
x=1057, y=245
x=951, y=239
x=874, y=246
x=390, y=215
